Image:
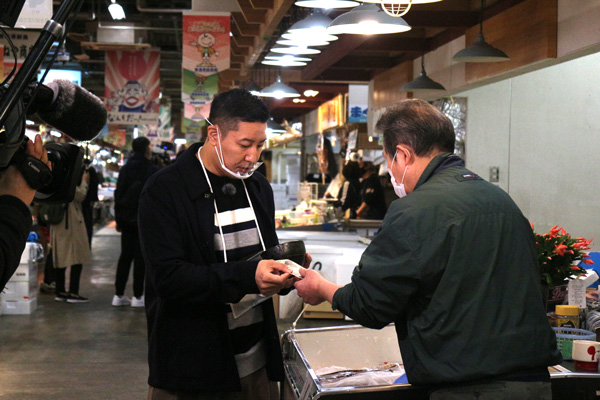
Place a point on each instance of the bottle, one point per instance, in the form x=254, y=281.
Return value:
x=567, y=316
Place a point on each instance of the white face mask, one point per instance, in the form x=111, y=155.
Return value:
x=398, y=187
x=236, y=175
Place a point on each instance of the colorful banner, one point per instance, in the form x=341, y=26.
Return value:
x=23, y=42
x=1, y=61
x=163, y=131
x=358, y=100
x=35, y=14
x=193, y=120
x=206, y=51
x=132, y=87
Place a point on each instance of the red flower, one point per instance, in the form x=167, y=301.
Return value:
x=560, y=249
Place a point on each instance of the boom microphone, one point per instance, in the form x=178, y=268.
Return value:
x=70, y=109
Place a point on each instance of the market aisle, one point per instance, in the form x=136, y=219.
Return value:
x=77, y=351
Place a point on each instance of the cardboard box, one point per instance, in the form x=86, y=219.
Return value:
x=20, y=290
x=25, y=272
x=322, y=311
x=18, y=307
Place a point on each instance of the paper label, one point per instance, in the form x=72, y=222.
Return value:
x=576, y=293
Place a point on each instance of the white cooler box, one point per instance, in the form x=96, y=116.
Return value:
x=20, y=290
x=25, y=272
x=18, y=307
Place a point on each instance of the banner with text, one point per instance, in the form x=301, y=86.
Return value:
x=206, y=51
x=132, y=87
x=35, y=14
x=23, y=41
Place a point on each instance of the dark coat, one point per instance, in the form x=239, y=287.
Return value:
x=132, y=178
x=187, y=290
x=15, y=225
x=455, y=267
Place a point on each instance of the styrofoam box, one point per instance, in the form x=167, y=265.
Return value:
x=18, y=307
x=33, y=252
x=25, y=272
x=20, y=290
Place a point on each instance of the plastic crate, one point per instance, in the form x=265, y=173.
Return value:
x=565, y=337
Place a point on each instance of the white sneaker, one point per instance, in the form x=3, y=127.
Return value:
x=137, y=301
x=118, y=301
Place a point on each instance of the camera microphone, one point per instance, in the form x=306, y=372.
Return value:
x=70, y=109
x=229, y=189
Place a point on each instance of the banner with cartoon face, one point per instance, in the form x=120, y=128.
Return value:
x=206, y=51
x=132, y=87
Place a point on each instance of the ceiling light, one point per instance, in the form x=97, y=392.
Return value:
x=284, y=63
x=367, y=19
x=422, y=82
x=326, y=4
x=279, y=56
x=480, y=51
x=397, y=8
x=116, y=11
x=279, y=90
x=313, y=26
x=298, y=41
x=300, y=50
x=310, y=93
x=252, y=87
x=299, y=100
x=308, y=37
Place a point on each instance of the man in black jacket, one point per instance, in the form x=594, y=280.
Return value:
x=132, y=178
x=15, y=218
x=200, y=218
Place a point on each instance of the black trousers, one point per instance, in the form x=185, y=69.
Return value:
x=73, y=280
x=130, y=251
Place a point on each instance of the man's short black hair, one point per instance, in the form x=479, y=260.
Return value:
x=230, y=108
x=140, y=145
x=418, y=124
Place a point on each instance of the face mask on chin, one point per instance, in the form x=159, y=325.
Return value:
x=235, y=175
x=398, y=187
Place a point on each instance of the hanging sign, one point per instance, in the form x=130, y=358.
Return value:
x=1, y=61
x=358, y=100
x=132, y=87
x=161, y=132
x=23, y=42
x=206, y=51
x=34, y=14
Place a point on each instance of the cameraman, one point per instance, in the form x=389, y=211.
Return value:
x=15, y=217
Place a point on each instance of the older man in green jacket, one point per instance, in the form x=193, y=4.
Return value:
x=454, y=267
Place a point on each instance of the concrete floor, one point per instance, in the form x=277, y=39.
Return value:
x=83, y=351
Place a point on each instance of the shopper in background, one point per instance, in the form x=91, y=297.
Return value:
x=349, y=194
x=200, y=218
x=371, y=194
x=70, y=247
x=15, y=218
x=87, y=206
x=132, y=178
x=454, y=266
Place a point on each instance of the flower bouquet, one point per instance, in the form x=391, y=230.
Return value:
x=557, y=254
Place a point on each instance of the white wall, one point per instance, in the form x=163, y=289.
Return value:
x=543, y=130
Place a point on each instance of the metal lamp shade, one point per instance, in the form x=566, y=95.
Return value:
x=422, y=83
x=367, y=19
x=326, y=4
x=279, y=90
x=480, y=51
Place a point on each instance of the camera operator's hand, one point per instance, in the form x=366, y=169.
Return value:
x=12, y=182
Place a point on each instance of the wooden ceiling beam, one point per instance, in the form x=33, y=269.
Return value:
x=394, y=43
x=251, y=15
x=334, y=53
x=361, y=62
x=243, y=41
x=349, y=75
x=264, y=4
x=246, y=29
x=442, y=19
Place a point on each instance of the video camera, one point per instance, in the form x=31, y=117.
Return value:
x=62, y=104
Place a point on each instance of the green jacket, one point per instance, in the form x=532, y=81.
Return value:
x=454, y=267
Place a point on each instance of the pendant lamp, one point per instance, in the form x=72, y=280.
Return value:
x=326, y=4
x=422, y=82
x=480, y=51
x=367, y=19
x=252, y=87
x=279, y=90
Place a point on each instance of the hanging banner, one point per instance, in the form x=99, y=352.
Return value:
x=23, y=42
x=1, y=61
x=206, y=51
x=358, y=100
x=193, y=120
x=132, y=87
x=35, y=14
x=162, y=132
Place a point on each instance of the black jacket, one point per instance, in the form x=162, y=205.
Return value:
x=187, y=290
x=132, y=178
x=455, y=267
x=15, y=225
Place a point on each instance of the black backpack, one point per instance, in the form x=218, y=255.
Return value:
x=52, y=214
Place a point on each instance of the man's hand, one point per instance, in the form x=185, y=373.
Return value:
x=11, y=180
x=272, y=276
x=314, y=289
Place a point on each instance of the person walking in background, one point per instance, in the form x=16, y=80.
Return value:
x=349, y=194
x=132, y=178
x=87, y=205
x=371, y=194
x=70, y=247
